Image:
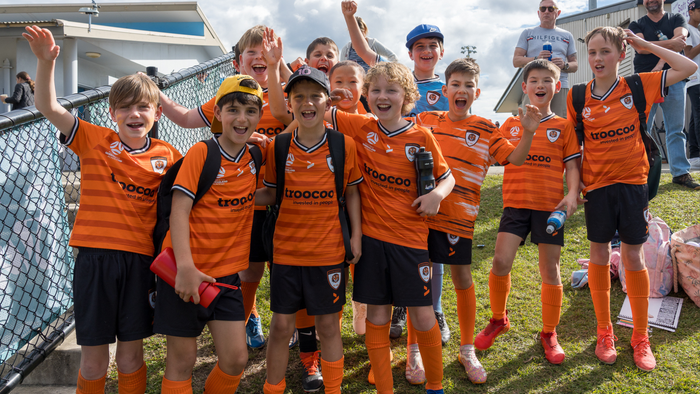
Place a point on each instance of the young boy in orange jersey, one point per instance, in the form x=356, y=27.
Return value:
x=113, y=229
x=530, y=194
x=614, y=178
x=322, y=54
x=249, y=61
x=468, y=142
x=308, y=265
x=395, y=263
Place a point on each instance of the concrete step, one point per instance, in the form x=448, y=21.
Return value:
x=70, y=180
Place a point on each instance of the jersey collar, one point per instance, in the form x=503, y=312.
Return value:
x=548, y=117
x=313, y=148
x=226, y=156
x=433, y=79
x=394, y=133
x=605, y=96
x=140, y=150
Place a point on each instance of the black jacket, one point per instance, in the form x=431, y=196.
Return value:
x=22, y=96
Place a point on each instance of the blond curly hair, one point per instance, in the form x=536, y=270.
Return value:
x=394, y=73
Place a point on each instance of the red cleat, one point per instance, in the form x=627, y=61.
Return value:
x=488, y=335
x=643, y=356
x=605, y=347
x=552, y=351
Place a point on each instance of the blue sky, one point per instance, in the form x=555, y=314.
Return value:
x=492, y=26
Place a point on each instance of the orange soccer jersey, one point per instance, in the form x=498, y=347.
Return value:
x=307, y=232
x=538, y=183
x=468, y=146
x=119, y=185
x=222, y=221
x=386, y=159
x=613, y=151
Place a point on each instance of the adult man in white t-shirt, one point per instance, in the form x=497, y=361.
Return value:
x=692, y=50
x=530, y=47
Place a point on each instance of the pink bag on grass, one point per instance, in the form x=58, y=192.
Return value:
x=686, y=262
x=657, y=258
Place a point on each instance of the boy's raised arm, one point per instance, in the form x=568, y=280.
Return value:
x=359, y=43
x=272, y=51
x=46, y=51
x=181, y=116
x=530, y=121
x=681, y=66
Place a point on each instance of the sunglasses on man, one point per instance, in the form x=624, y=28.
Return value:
x=550, y=9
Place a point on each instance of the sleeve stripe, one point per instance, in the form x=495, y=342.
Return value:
x=575, y=155
x=334, y=120
x=204, y=117
x=184, y=190
x=268, y=184
x=663, y=84
x=357, y=182
x=73, y=132
x=443, y=176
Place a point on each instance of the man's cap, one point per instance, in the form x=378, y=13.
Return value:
x=423, y=31
x=694, y=5
x=310, y=73
x=232, y=85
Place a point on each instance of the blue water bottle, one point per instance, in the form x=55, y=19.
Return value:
x=555, y=221
x=548, y=47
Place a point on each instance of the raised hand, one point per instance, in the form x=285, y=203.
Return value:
x=530, y=119
x=349, y=7
x=272, y=48
x=42, y=43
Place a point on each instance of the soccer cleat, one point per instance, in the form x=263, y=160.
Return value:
x=398, y=322
x=294, y=340
x=359, y=314
x=415, y=372
x=605, y=346
x=444, y=328
x=643, y=356
x=488, y=335
x=254, y=337
x=311, y=378
x=552, y=351
x=475, y=371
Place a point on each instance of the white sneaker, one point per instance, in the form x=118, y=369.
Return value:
x=415, y=372
x=694, y=164
x=359, y=315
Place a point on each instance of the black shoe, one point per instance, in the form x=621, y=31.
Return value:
x=687, y=181
x=311, y=378
x=444, y=328
x=398, y=322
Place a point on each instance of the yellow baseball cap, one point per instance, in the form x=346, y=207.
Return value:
x=232, y=85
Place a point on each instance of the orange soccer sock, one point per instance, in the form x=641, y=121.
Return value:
x=466, y=313
x=411, y=337
x=133, y=383
x=85, y=386
x=499, y=288
x=599, y=282
x=551, y=296
x=274, y=388
x=248, y=290
x=332, y=375
x=304, y=320
x=219, y=381
x=378, y=348
x=430, y=345
x=176, y=387
x=638, y=292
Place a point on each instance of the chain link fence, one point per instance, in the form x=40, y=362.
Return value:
x=39, y=196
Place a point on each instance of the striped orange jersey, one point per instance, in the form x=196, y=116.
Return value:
x=222, y=221
x=386, y=159
x=538, y=183
x=613, y=151
x=119, y=186
x=307, y=232
x=468, y=146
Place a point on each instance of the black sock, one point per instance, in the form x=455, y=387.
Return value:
x=307, y=339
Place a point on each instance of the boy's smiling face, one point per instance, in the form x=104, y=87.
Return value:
x=386, y=99
x=238, y=121
x=253, y=63
x=350, y=78
x=135, y=121
x=425, y=54
x=323, y=58
x=308, y=102
x=603, y=57
x=540, y=87
x=461, y=91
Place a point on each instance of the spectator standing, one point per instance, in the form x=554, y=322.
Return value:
x=23, y=96
x=563, y=54
x=667, y=30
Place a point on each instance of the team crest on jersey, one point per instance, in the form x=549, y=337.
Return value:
x=329, y=161
x=222, y=173
x=471, y=137
x=627, y=101
x=411, y=150
x=587, y=113
x=251, y=164
x=452, y=239
x=372, y=137
x=159, y=163
x=334, y=278
x=424, y=271
x=433, y=97
x=290, y=160
x=514, y=131
x=116, y=148
x=553, y=134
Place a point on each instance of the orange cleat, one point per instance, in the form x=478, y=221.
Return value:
x=488, y=335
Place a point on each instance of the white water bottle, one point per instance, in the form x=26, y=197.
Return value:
x=555, y=221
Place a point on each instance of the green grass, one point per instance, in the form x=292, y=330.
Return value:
x=516, y=362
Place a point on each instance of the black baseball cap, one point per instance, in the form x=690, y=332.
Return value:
x=693, y=5
x=310, y=73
